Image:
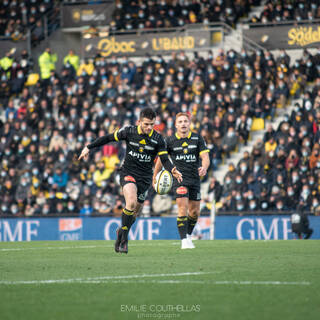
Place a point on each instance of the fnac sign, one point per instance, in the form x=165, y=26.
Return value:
x=110, y=46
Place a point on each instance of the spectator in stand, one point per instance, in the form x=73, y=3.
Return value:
x=87, y=209
x=60, y=179
x=229, y=141
x=72, y=59
x=37, y=34
x=47, y=62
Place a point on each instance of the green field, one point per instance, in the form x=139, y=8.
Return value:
x=157, y=280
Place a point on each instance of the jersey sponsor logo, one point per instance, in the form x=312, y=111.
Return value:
x=184, y=144
x=149, y=148
x=154, y=141
x=194, y=138
x=129, y=178
x=192, y=147
x=182, y=190
x=186, y=157
x=198, y=196
x=134, y=144
x=140, y=156
x=177, y=148
x=143, y=141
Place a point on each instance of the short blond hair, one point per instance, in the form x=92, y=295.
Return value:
x=182, y=114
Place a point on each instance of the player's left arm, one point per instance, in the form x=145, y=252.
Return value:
x=116, y=136
x=204, y=156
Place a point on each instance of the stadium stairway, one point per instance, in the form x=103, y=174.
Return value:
x=236, y=156
x=256, y=135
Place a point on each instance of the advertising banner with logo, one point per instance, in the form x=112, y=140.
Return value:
x=271, y=227
x=75, y=16
x=140, y=45
x=285, y=37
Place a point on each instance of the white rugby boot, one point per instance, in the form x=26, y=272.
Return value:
x=184, y=244
x=189, y=238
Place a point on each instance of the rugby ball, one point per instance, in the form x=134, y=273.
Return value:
x=163, y=182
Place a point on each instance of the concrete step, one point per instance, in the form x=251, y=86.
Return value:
x=255, y=136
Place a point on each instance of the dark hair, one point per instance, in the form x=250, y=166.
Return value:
x=148, y=113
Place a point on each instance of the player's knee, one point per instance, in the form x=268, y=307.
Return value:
x=194, y=213
x=131, y=205
x=182, y=210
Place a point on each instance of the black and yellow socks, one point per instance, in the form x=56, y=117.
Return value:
x=182, y=226
x=191, y=222
x=128, y=219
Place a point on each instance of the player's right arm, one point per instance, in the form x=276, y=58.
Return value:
x=157, y=168
x=166, y=162
x=116, y=136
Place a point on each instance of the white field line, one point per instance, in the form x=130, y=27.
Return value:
x=105, y=278
x=126, y=279
x=85, y=247
x=274, y=283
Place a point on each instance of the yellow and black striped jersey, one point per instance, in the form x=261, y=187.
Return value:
x=141, y=149
x=185, y=155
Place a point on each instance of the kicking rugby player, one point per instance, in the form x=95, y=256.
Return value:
x=143, y=144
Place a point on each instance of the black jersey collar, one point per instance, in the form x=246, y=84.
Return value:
x=178, y=137
x=140, y=131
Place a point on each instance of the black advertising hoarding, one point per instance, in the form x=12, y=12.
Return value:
x=75, y=16
x=7, y=45
x=140, y=45
x=285, y=37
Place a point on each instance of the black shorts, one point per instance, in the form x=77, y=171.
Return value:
x=192, y=192
x=142, y=185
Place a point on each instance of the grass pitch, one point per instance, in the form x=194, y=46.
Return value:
x=157, y=280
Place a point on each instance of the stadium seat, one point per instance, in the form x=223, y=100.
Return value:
x=257, y=124
x=33, y=78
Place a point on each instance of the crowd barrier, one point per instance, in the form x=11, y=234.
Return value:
x=248, y=227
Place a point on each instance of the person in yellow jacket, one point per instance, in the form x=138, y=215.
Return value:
x=86, y=68
x=101, y=174
x=72, y=59
x=6, y=63
x=47, y=62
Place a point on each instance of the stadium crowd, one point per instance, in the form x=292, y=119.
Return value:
x=288, y=10
x=46, y=124
x=132, y=14
x=16, y=16
x=283, y=170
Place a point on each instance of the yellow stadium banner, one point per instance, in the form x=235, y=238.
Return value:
x=141, y=44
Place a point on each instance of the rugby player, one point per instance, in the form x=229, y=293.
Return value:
x=143, y=144
x=186, y=149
